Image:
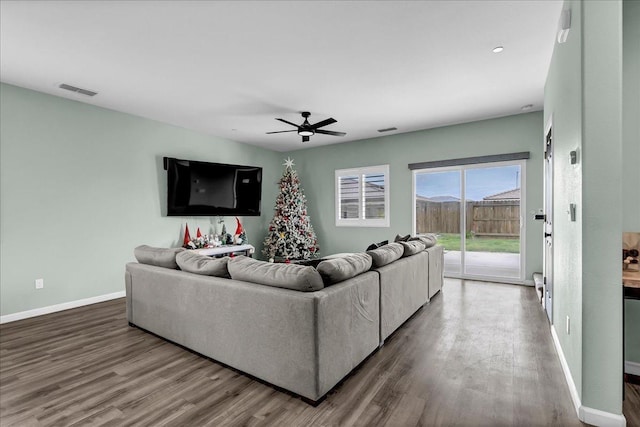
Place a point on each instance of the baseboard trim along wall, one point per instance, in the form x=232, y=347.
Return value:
x=632, y=368
x=60, y=307
x=600, y=418
x=567, y=373
x=587, y=415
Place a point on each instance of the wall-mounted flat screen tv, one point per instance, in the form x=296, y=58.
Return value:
x=208, y=189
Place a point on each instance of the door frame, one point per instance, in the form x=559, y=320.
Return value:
x=547, y=241
x=463, y=225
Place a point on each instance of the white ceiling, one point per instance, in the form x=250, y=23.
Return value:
x=230, y=68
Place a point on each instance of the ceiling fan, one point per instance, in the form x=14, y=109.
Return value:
x=305, y=130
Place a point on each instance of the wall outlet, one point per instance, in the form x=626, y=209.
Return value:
x=568, y=326
x=39, y=283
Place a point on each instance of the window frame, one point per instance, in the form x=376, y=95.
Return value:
x=361, y=221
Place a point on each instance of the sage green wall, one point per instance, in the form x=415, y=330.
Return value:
x=583, y=95
x=631, y=155
x=81, y=186
x=563, y=106
x=602, y=189
x=316, y=168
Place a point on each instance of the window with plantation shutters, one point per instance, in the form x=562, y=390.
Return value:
x=362, y=197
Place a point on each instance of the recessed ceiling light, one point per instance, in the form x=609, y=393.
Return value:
x=498, y=49
x=527, y=107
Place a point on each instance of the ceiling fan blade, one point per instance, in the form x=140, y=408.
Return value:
x=330, y=132
x=324, y=123
x=283, y=131
x=287, y=122
x=305, y=139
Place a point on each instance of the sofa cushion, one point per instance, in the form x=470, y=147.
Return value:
x=386, y=254
x=289, y=276
x=377, y=245
x=339, y=269
x=428, y=239
x=193, y=262
x=160, y=257
x=412, y=247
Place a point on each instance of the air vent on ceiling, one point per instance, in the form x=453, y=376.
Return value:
x=77, y=89
x=387, y=129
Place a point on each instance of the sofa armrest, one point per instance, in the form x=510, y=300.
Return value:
x=436, y=269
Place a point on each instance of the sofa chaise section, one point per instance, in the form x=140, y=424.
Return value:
x=304, y=342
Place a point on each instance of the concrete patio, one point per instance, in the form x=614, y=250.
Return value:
x=490, y=264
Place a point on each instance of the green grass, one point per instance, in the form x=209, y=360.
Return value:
x=480, y=244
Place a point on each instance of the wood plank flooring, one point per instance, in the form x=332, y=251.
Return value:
x=478, y=354
x=631, y=404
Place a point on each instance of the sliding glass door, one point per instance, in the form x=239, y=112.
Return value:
x=437, y=210
x=476, y=212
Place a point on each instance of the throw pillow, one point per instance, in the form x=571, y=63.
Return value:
x=160, y=257
x=289, y=276
x=201, y=264
x=400, y=238
x=339, y=269
x=386, y=254
x=377, y=245
x=412, y=247
x=310, y=262
x=428, y=239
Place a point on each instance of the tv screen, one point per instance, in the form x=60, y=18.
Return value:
x=207, y=189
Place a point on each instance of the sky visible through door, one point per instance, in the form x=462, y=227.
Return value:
x=486, y=182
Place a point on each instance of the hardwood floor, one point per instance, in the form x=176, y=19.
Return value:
x=631, y=404
x=479, y=354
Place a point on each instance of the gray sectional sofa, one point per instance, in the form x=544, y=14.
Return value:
x=297, y=327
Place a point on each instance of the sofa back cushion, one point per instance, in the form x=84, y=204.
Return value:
x=428, y=239
x=202, y=264
x=160, y=257
x=386, y=254
x=289, y=276
x=412, y=247
x=338, y=269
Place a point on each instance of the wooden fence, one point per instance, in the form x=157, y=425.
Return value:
x=495, y=218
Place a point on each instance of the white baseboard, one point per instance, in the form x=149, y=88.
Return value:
x=632, y=368
x=60, y=307
x=587, y=415
x=575, y=397
x=600, y=418
x=529, y=282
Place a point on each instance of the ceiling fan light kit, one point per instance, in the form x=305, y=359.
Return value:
x=306, y=129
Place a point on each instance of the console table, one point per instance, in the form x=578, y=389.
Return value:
x=247, y=250
x=631, y=283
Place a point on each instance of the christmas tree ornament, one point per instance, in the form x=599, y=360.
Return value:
x=198, y=233
x=291, y=235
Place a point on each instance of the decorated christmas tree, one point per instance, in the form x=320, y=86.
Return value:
x=291, y=235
